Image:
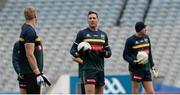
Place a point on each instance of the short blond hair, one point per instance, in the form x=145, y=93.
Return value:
x=29, y=13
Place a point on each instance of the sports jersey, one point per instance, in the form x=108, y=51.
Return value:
x=98, y=41
x=28, y=35
x=134, y=45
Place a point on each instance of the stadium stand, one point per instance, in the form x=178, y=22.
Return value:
x=162, y=18
x=132, y=14
x=60, y=20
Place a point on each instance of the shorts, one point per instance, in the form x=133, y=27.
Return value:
x=29, y=82
x=141, y=76
x=93, y=77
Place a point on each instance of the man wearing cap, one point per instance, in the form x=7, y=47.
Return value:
x=140, y=72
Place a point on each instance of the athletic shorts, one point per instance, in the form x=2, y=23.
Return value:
x=93, y=77
x=29, y=82
x=141, y=76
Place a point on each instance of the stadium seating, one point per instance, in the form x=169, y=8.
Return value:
x=163, y=13
x=62, y=13
x=60, y=20
x=133, y=12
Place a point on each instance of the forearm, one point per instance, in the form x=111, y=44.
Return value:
x=128, y=54
x=151, y=60
x=15, y=58
x=73, y=50
x=78, y=60
x=33, y=63
x=150, y=55
x=15, y=62
x=16, y=67
x=129, y=59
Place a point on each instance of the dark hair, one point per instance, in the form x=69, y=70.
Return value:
x=92, y=12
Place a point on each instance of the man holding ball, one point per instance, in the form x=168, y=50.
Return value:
x=137, y=53
x=91, y=61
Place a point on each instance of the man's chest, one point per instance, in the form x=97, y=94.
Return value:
x=94, y=36
x=140, y=44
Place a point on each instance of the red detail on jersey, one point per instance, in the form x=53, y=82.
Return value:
x=146, y=51
x=96, y=47
x=39, y=47
x=22, y=85
x=137, y=77
x=91, y=80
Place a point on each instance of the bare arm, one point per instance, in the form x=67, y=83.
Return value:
x=78, y=60
x=29, y=47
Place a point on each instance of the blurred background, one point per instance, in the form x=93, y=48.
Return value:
x=60, y=20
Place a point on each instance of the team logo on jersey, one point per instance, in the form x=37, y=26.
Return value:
x=141, y=41
x=88, y=35
x=136, y=42
x=95, y=35
x=102, y=36
x=39, y=47
x=146, y=40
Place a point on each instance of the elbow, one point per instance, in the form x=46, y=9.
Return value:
x=72, y=53
x=29, y=55
x=124, y=56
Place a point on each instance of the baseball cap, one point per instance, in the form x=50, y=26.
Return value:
x=139, y=26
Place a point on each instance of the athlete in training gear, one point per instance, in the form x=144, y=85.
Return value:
x=30, y=56
x=139, y=42
x=91, y=62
